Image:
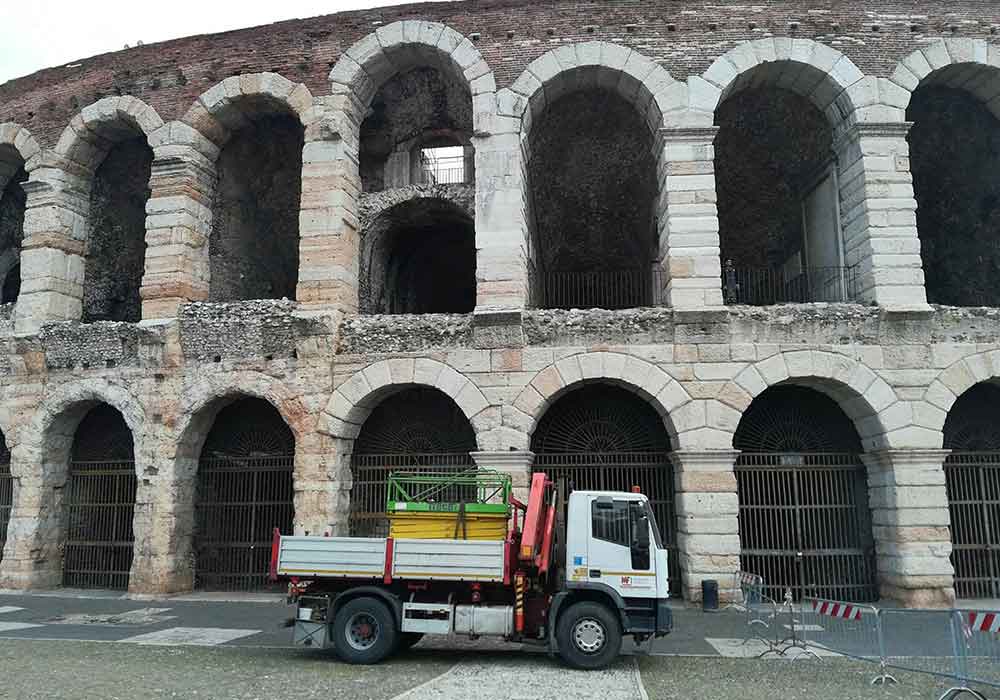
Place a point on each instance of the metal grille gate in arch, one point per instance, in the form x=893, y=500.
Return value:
x=804, y=520
x=603, y=437
x=972, y=478
x=100, y=503
x=417, y=429
x=6, y=492
x=245, y=489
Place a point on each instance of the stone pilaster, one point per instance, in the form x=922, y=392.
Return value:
x=516, y=464
x=688, y=218
x=52, y=263
x=178, y=223
x=878, y=214
x=329, y=235
x=501, y=223
x=163, y=526
x=910, y=522
x=708, y=539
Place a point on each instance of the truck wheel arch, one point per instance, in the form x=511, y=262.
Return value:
x=390, y=599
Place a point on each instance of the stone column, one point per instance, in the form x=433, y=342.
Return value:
x=55, y=226
x=688, y=218
x=501, y=223
x=178, y=221
x=708, y=539
x=911, y=522
x=32, y=557
x=329, y=236
x=163, y=562
x=878, y=214
x=516, y=464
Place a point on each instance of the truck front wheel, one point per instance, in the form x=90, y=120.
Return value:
x=589, y=636
x=364, y=631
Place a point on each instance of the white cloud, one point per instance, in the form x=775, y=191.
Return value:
x=36, y=34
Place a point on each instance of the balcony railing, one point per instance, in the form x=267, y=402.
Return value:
x=600, y=289
x=756, y=286
x=443, y=171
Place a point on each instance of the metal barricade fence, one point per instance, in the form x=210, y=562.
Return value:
x=847, y=629
x=918, y=640
x=976, y=640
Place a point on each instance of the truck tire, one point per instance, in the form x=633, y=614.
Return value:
x=364, y=631
x=589, y=636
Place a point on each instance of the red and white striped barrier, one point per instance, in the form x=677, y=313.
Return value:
x=829, y=608
x=984, y=622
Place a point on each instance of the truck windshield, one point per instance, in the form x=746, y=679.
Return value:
x=652, y=522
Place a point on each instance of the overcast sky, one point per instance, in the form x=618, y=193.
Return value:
x=36, y=34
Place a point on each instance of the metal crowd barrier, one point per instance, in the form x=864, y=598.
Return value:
x=847, y=629
x=766, y=619
x=976, y=639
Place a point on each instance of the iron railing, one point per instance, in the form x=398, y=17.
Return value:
x=805, y=525
x=240, y=502
x=597, y=289
x=973, y=484
x=370, y=472
x=652, y=472
x=757, y=286
x=100, y=503
x=443, y=171
x=6, y=501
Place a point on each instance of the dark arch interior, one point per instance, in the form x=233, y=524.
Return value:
x=954, y=158
x=6, y=491
x=414, y=421
x=116, y=240
x=245, y=489
x=254, y=246
x=12, y=205
x=592, y=186
x=771, y=144
x=600, y=418
x=973, y=423
x=100, y=502
x=795, y=419
x=407, y=107
x=419, y=257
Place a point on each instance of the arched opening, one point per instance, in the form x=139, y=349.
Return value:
x=100, y=502
x=418, y=429
x=244, y=490
x=779, y=222
x=12, y=206
x=592, y=186
x=6, y=492
x=115, y=251
x=414, y=114
x=254, y=245
x=804, y=519
x=972, y=475
x=419, y=257
x=601, y=437
x=954, y=157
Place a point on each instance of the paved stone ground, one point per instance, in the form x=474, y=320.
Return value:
x=89, y=645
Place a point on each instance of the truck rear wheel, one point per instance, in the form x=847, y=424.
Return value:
x=589, y=636
x=364, y=631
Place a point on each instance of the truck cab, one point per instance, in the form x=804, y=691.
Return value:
x=614, y=559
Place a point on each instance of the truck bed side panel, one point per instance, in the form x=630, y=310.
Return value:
x=452, y=560
x=346, y=557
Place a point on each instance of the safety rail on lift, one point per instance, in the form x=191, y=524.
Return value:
x=473, y=504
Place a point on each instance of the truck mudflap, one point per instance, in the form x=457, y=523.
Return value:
x=664, y=618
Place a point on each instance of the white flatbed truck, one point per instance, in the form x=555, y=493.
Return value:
x=577, y=593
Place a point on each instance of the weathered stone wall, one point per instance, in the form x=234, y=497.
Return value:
x=254, y=245
x=116, y=243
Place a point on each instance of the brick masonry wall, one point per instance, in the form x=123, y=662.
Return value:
x=684, y=37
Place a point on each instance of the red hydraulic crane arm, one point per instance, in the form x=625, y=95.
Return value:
x=534, y=519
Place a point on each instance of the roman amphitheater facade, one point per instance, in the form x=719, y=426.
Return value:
x=746, y=257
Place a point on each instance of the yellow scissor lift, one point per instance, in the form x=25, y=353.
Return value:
x=469, y=505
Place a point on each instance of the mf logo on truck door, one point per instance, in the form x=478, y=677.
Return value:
x=626, y=580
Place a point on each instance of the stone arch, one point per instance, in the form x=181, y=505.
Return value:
x=364, y=67
x=955, y=380
x=353, y=401
x=92, y=132
x=665, y=394
x=828, y=78
x=17, y=141
x=225, y=107
x=967, y=64
x=881, y=419
x=643, y=83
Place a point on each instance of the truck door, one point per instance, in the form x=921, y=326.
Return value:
x=614, y=552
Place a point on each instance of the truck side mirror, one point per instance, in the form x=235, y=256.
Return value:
x=642, y=533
